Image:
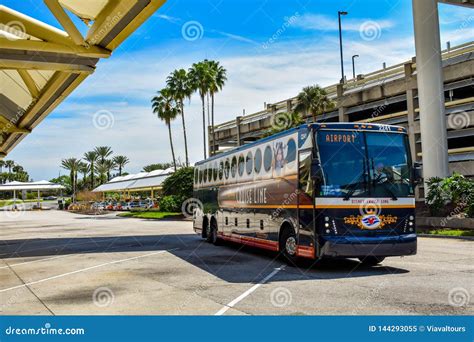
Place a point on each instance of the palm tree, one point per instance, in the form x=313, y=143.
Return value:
x=179, y=85
x=103, y=152
x=219, y=77
x=101, y=169
x=72, y=164
x=2, y=165
x=91, y=157
x=120, y=162
x=9, y=164
x=313, y=100
x=110, y=165
x=17, y=169
x=200, y=77
x=166, y=108
x=84, y=168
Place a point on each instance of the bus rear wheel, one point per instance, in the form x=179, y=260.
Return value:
x=371, y=260
x=212, y=233
x=288, y=244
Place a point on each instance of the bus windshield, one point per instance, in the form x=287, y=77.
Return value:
x=363, y=164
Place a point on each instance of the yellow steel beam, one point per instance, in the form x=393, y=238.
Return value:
x=135, y=23
x=35, y=27
x=65, y=21
x=6, y=126
x=107, y=19
x=38, y=65
x=29, y=82
x=41, y=46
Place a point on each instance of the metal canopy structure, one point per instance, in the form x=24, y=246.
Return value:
x=143, y=181
x=40, y=65
x=29, y=186
x=40, y=185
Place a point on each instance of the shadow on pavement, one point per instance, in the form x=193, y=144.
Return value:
x=230, y=262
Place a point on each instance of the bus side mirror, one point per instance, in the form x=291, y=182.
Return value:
x=316, y=171
x=417, y=173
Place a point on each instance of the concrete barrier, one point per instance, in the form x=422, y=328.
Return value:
x=444, y=222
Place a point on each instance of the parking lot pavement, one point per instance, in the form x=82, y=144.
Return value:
x=56, y=262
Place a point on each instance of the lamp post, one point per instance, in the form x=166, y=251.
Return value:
x=353, y=67
x=339, y=13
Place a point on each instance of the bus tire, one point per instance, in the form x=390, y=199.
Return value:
x=288, y=244
x=371, y=260
x=213, y=238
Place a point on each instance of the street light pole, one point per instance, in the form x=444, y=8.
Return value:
x=339, y=13
x=353, y=67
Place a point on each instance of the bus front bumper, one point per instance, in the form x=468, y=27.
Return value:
x=355, y=247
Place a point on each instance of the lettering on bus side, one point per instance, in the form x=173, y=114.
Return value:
x=253, y=195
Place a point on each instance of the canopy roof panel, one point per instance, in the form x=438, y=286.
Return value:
x=140, y=181
x=40, y=185
x=40, y=65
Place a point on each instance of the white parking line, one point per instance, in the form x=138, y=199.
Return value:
x=83, y=270
x=34, y=261
x=248, y=292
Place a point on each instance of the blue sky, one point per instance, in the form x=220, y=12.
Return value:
x=271, y=49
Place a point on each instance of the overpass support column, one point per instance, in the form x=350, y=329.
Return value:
x=343, y=117
x=410, y=93
x=237, y=125
x=430, y=89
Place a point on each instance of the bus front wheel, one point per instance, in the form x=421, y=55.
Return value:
x=288, y=244
x=371, y=260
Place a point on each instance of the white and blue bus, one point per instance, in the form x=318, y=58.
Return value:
x=320, y=190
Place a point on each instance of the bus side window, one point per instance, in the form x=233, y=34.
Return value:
x=236, y=222
x=226, y=221
x=305, y=181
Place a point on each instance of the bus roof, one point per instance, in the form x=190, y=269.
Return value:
x=325, y=125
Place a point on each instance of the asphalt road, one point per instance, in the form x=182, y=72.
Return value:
x=55, y=262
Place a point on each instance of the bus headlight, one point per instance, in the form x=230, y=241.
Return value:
x=326, y=225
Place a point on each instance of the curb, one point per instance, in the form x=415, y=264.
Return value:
x=468, y=238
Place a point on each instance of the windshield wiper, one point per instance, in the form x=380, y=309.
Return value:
x=360, y=180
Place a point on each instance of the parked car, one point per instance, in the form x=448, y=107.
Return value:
x=50, y=198
x=119, y=206
x=133, y=205
x=99, y=206
x=110, y=205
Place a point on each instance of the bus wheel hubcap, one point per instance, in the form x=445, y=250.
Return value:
x=290, y=245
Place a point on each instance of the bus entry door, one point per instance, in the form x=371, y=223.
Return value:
x=306, y=236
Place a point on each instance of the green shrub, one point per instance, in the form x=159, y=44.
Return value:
x=171, y=203
x=456, y=191
x=180, y=183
